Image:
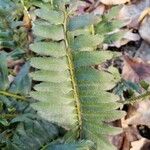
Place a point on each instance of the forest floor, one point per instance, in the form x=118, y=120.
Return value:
x=133, y=65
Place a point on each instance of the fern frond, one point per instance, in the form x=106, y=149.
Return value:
x=49, y=48
x=16, y=113
x=109, y=24
x=13, y=35
x=81, y=145
x=82, y=21
x=72, y=93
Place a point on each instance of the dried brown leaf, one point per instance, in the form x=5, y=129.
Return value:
x=130, y=13
x=144, y=52
x=11, y=63
x=142, y=144
x=135, y=69
x=144, y=29
x=128, y=36
x=27, y=20
x=142, y=114
x=114, y=2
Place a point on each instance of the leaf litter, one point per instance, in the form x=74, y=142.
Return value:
x=135, y=66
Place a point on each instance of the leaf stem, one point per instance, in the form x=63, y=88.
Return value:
x=141, y=97
x=8, y=116
x=92, y=30
x=51, y=2
x=12, y=95
x=72, y=74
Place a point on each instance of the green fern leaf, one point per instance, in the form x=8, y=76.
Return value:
x=86, y=41
x=50, y=64
x=4, y=83
x=78, y=22
x=109, y=24
x=50, y=32
x=54, y=17
x=85, y=58
x=15, y=111
x=72, y=93
x=49, y=48
x=81, y=145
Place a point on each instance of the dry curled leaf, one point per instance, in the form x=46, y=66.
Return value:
x=139, y=115
x=27, y=20
x=128, y=36
x=11, y=63
x=11, y=78
x=135, y=69
x=130, y=14
x=114, y=2
x=144, y=14
x=142, y=114
x=144, y=52
x=142, y=144
x=144, y=29
x=99, y=10
x=117, y=140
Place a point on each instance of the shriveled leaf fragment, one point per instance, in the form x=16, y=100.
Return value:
x=114, y=2
x=130, y=36
x=131, y=13
x=3, y=122
x=144, y=52
x=120, y=38
x=97, y=9
x=135, y=69
x=11, y=63
x=141, y=116
x=144, y=29
x=117, y=140
x=125, y=37
x=142, y=144
x=27, y=20
x=3, y=72
x=81, y=145
x=22, y=82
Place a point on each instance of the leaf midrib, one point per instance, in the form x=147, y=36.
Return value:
x=72, y=75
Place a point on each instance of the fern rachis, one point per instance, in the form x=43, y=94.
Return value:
x=72, y=93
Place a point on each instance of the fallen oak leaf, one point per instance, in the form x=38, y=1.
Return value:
x=137, y=118
x=27, y=20
x=117, y=140
x=99, y=10
x=125, y=37
x=142, y=144
x=11, y=63
x=114, y=2
x=144, y=52
x=144, y=29
x=143, y=14
x=135, y=69
x=141, y=115
x=132, y=14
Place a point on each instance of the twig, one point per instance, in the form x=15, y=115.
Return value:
x=141, y=97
